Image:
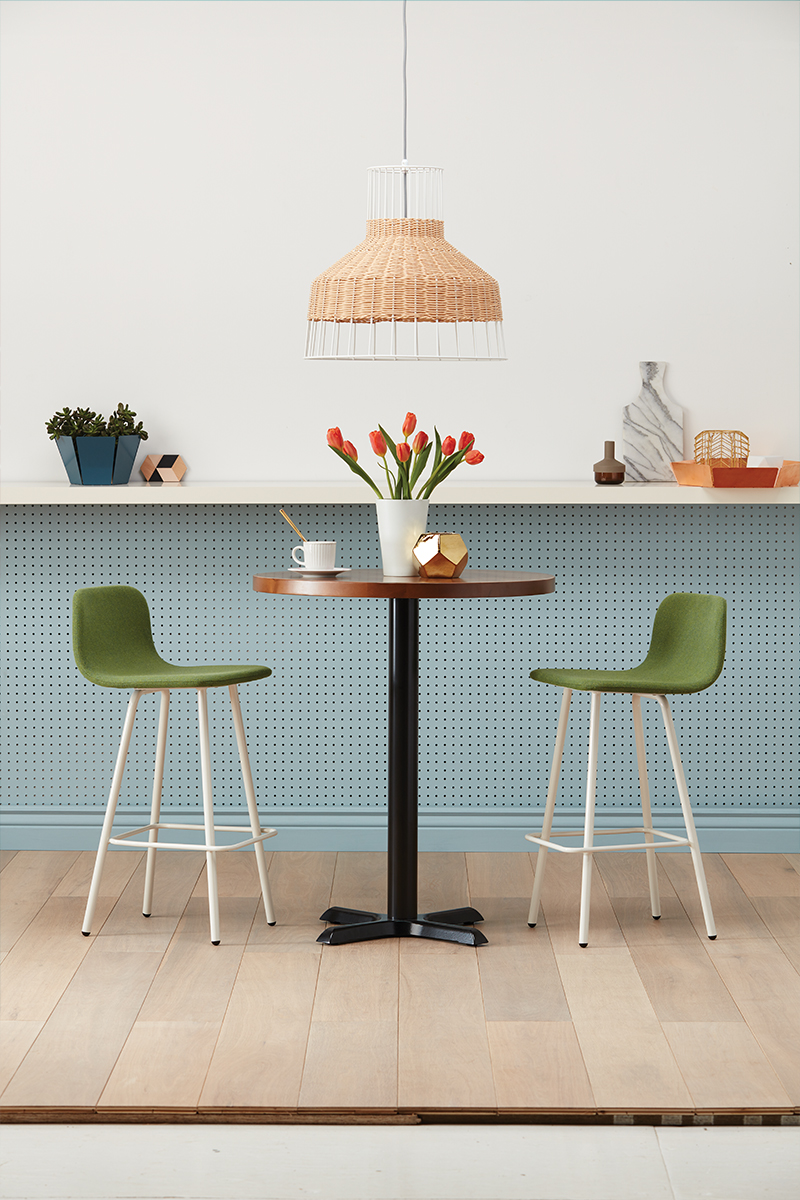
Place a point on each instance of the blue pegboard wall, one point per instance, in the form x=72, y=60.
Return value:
x=317, y=727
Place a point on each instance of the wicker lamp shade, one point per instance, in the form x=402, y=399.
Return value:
x=404, y=292
x=404, y=270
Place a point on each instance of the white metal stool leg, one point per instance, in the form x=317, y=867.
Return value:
x=249, y=791
x=208, y=814
x=552, y=791
x=111, y=808
x=688, y=819
x=588, y=828
x=647, y=816
x=155, y=807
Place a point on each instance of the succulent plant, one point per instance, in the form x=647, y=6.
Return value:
x=82, y=422
x=121, y=422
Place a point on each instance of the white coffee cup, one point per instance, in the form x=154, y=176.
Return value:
x=317, y=556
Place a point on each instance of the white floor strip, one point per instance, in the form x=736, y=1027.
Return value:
x=733, y=1163
x=429, y=1162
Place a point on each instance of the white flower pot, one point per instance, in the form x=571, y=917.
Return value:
x=400, y=524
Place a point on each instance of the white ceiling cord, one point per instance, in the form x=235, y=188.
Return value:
x=405, y=109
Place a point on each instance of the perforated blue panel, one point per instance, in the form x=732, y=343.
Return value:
x=317, y=727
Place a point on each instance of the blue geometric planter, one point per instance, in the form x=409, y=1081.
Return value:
x=127, y=447
x=69, y=457
x=98, y=461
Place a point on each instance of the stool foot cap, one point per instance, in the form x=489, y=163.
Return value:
x=144, y=914
x=86, y=932
x=215, y=943
x=658, y=918
x=712, y=937
x=533, y=926
x=272, y=922
x=583, y=945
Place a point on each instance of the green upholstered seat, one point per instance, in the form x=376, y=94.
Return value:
x=113, y=645
x=687, y=650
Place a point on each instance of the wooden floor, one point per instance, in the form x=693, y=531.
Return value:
x=149, y=1016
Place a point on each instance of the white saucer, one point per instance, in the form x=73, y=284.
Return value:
x=320, y=572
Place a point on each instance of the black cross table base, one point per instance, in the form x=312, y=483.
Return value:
x=401, y=918
x=352, y=925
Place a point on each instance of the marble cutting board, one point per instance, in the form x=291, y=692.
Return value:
x=652, y=430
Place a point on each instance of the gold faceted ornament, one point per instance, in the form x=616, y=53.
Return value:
x=441, y=555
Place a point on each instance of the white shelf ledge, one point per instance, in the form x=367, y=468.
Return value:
x=576, y=492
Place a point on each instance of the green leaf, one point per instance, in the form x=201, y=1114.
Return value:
x=402, y=479
x=60, y=424
x=392, y=445
x=121, y=422
x=87, y=423
x=423, y=493
x=444, y=470
x=438, y=456
x=419, y=465
x=357, y=470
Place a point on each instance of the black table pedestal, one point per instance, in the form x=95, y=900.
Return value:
x=401, y=918
x=359, y=926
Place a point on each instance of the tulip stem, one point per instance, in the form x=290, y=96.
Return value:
x=389, y=479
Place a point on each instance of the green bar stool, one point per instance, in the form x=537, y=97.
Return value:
x=113, y=645
x=687, y=650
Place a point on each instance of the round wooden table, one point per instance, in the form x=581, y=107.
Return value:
x=404, y=593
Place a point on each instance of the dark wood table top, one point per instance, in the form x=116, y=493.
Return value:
x=470, y=585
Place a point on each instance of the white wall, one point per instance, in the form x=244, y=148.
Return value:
x=176, y=173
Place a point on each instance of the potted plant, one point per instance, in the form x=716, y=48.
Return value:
x=93, y=450
x=402, y=516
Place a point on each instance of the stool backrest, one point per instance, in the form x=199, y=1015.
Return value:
x=111, y=634
x=688, y=640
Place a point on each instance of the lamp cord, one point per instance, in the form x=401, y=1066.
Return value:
x=405, y=111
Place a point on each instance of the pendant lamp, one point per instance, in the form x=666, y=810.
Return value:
x=404, y=293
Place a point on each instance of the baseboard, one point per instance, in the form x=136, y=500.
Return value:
x=763, y=830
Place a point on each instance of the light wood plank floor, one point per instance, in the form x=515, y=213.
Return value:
x=147, y=1015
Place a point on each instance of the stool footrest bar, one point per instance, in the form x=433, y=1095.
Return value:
x=123, y=838
x=670, y=840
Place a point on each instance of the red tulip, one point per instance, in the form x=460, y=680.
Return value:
x=378, y=443
x=465, y=440
x=409, y=425
x=473, y=457
x=403, y=451
x=420, y=442
x=335, y=437
x=448, y=446
x=349, y=449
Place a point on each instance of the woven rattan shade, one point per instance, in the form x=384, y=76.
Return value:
x=404, y=271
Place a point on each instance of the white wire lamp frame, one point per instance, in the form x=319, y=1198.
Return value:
x=404, y=293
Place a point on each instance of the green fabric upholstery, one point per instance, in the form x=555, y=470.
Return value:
x=113, y=646
x=687, y=650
